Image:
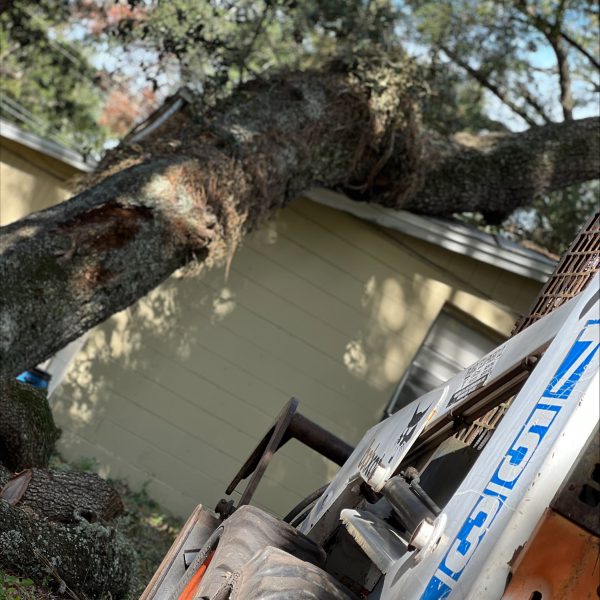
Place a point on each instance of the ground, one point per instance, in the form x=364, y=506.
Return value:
x=150, y=529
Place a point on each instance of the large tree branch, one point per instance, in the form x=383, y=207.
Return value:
x=194, y=189
x=501, y=172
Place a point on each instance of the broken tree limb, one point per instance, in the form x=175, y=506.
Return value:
x=193, y=193
x=63, y=496
x=27, y=429
x=91, y=559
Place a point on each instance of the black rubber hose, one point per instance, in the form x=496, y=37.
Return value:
x=303, y=504
x=299, y=518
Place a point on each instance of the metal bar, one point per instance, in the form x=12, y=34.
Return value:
x=319, y=439
x=273, y=444
x=289, y=424
x=473, y=407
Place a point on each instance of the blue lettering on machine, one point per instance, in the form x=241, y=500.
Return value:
x=508, y=472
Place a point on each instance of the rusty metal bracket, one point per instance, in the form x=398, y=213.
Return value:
x=288, y=425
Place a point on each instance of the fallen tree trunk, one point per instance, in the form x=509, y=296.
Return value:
x=27, y=429
x=63, y=496
x=192, y=194
x=195, y=191
x=91, y=559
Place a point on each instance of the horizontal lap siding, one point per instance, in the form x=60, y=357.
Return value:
x=176, y=391
x=26, y=187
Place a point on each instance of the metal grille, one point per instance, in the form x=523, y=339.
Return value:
x=571, y=275
x=574, y=271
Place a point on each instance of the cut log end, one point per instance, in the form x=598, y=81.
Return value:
x=63, y=496
x=27, y=429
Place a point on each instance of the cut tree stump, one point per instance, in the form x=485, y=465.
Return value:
x=63, y=496
x=27, y=429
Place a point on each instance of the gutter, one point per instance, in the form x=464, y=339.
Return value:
x=455, y=237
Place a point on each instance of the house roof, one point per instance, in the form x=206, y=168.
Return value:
x=457, y=237
x=47, y=147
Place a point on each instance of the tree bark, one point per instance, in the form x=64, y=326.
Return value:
x=564, y=74
x=497, y=173
x=63, y=496
x=91, y=559
x=192, y=194
x=5, y=475
x=197, y=190
x=27, y=429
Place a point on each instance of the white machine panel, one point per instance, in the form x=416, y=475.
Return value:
x=499, y=503
x=383, y=447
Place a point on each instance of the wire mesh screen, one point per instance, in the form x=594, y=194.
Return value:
x=574, y=271
x=572, y=274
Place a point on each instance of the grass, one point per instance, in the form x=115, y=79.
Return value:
x=16, y=588
x=150, y=529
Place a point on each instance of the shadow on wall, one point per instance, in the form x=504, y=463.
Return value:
x=177, y=389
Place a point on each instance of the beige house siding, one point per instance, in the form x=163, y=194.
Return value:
x=174, y=392
x=29, y=181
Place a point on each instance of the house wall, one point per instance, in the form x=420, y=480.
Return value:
x=174, y=392
x=29, y=181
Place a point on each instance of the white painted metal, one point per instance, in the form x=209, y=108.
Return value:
x=379, y=541
x=49, y=147
x=383, y=447
x=499, y=503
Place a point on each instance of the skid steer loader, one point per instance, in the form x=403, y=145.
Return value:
x=485, y=488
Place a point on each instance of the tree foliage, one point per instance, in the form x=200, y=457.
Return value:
x=536, y=62
x=48, y=84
